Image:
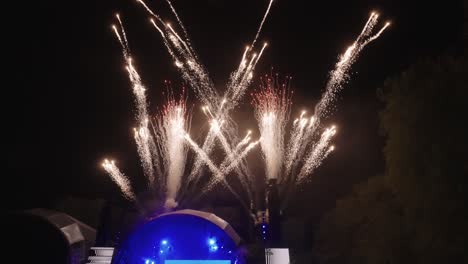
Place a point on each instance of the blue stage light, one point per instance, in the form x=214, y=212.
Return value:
x=164, y=242
x=213, y=246
x=211, y=241
x=147, y=261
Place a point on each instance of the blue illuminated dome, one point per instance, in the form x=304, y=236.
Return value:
x=181, y=237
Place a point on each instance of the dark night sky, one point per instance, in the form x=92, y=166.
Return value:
x=71, y=104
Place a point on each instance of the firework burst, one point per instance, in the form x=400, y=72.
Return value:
x=163, y=142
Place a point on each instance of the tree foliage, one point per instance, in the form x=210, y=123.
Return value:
x=416, y=212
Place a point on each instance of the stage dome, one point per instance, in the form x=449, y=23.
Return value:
x=181, y=237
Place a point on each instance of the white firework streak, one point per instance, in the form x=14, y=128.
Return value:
x=150, y=11
x=192, y=71
x=181, y=26
x=261, y=23
x=231, y=156
x=235, y=152
x=123, y=31
x=335, y=84
x=187, y=48
x=272, y=109
x=236, y=74
x=171, y=126
x=142, y=135
x=271, y=130
x=341, y=72
x=186, y=61
x=144, y=140
x=319, y=152
x=272, y=113
x=241, y=78
x=119, y=178
x=238, y=83
x=219, y=176
x=300, y=127
x=231, y=166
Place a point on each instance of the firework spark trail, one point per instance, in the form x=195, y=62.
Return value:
x=143, y=148
x=219, y=176
x=367, y=30
x=144, y=140
x=300, y=128
x=206, y=147
x=260, y=54
x=231, y=157
x=242, y=62
x=184, y=43
x=272, y=109
x=235, y=75
x=243, y=142
x=123, y=31
x=335, y=84
x=236, y=159
x=214, y=123
x=122, y=43
x=377, y=35
x=261, y=24
x=317, y=163
x=195, y=74
x=150, y=11
x=119, y=178
x=166, y=43
x=341, y=72
x=235, y=153
x=182, y=27
x=318, y=153
x=171, y=126
x=186, y=61
x=238, y=87
x=178, y=19
x=228, y=169
x=241, y=79
x=232, y=165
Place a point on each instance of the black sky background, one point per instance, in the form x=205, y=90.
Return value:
x=69, y=104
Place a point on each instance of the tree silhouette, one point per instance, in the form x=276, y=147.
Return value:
x=416, y=212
